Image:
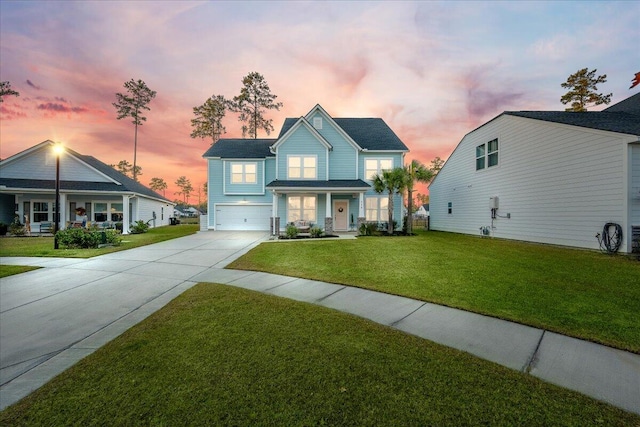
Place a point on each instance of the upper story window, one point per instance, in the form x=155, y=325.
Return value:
x=487, y=154
x=243, y=173
x=302, y=167
x=376, y=166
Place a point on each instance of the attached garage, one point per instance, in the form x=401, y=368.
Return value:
x=242, y=217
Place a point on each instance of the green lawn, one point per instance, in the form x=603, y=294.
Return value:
x=8, y=270
x=580, y=293
x=38, y=246
x=219, y=355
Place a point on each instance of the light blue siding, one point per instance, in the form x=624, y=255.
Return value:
x=256, y=188
x=342, y=159
x=302, y=142
x=216, y=185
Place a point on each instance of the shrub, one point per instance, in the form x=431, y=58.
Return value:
x=316, y=232
x=139, y=227
x=291, y=232
x=78, y=238
x=17, y=228
x=368, y=228
x=81, y=238
x=3, y=228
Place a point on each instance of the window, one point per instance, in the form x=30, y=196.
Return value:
x=376, y=166
x=301, y=208
x=487, y=155
x=492, y=153
x=40, y=211
x=116, y=212
x=302, y=167
x=377, y=209
x=450, y=208
x=100, y=212
x=317, y=122
x=243, y=173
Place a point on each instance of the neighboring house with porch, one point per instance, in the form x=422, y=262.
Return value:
x=422, y=211
x=545, y=176
x=317, y=171
x=87, y=187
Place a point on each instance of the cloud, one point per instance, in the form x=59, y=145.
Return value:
x=59, y=108
x=11, y=112
x=30, y=83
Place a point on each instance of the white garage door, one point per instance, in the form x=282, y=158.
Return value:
x=243, y=217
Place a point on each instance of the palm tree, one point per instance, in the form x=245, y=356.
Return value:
x=415, y=172
x=393, y=181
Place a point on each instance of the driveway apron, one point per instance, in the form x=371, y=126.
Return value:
x=52, y=317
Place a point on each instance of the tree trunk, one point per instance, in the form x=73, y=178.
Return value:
x=409, y=211
x=390, y=207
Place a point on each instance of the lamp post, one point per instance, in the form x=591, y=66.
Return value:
x=58, y=149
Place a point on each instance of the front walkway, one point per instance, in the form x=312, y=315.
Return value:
x=130, y=285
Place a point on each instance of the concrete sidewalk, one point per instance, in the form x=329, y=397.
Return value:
x=601, y=372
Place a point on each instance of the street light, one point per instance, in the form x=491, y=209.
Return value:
x=58, y=149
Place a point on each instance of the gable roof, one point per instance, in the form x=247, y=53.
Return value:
x=368, y=133
x=301, y=122
x=118, y=182
x=623, y=117
x=237, y=148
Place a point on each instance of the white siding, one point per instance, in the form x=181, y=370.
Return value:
x=146, y=207
x=634, y=196
x=41, y=164
x=560, y=184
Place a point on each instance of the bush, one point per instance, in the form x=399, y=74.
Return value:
x=368, y=228
x=81, y=238
x=78, y=238
x=291, y=232
x=17, y=228
x=3, y=228
x=316, y=232
x=139, y=227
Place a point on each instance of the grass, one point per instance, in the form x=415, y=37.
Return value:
x=580, y=293
x=9, y=270
x=40, y=246
x=219, y=355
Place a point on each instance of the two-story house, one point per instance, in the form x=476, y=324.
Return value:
x=317, y=170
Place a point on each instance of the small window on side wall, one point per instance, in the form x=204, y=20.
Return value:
x=450, y=208
x=487, y=155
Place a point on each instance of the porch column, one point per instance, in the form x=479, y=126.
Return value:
x=361, y=218
x=275, y=223
x=328, y=220
x=125, y=215
x=63, y=211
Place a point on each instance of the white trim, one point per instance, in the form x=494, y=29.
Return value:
x=330, y=120
x=301, y=122
x=302, y=157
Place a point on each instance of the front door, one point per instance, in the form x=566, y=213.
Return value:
x=340, y=215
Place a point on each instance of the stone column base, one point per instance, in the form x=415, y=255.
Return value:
x=361, y=220
x=328, y=225
x=274, y=226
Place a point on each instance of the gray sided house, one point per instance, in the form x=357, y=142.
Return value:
x=318, y=170
x=545, y=176
x=27, y=188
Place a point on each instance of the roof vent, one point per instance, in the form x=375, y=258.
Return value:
x=317, y=122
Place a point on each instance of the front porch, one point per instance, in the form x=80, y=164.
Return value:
x=335, y=206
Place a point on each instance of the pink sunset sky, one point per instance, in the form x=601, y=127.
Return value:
x=432, y=70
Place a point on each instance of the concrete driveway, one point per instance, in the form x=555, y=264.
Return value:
x=52, y=317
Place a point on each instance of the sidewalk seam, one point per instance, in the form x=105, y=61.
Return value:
x=531, y=362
